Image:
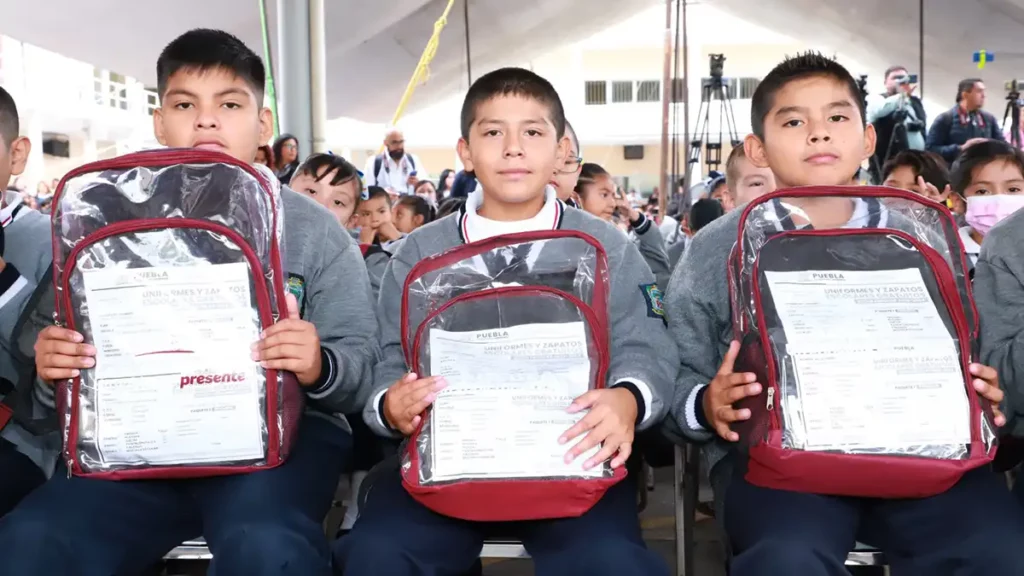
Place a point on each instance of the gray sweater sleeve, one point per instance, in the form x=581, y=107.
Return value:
x=999, y=296
x=339, y=304
x=641, y=350
x=699, y=320
x=652, y=248
x=391, y=366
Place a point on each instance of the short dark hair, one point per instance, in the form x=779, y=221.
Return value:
x=588, y=173
x=981, y=154
x=965, y=85
x=731, y=171
x=203, y=49
x=795, y=68
x=571, y=132
x=704, y=212
x=372, y=193
x=419, y=207
x=9, y=126
x=318, y=166
x=892, y=69
x=512, y=82
x=927, y=165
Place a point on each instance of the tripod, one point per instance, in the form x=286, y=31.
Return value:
x=1013, y=111
x=713, y=87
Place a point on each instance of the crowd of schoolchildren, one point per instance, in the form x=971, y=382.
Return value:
x=671, y=364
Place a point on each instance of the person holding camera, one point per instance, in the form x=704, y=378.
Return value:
x=965, y=125
x=899, y=118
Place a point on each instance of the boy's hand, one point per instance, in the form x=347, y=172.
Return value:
x=726, y=389
x=388, y=232
x=931, y=191
x=61, y=354
x=412, y=180
x=986, y=382
x=292, y=345
x=611, y=422
x=405, y=401
x=367, y=234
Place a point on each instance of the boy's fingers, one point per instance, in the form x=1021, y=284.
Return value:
x=55, y=333
x=63, y=361
x=625, y=449
x=279, y=352
x=607, y=451
x=988, y=392
x=730, y=358
x=585, y=424
x=595, y=437
x=727, y=433
x=420, y=404
x=52, y=374
x=985, y=372
x=728, y=414
x=64, y=348
x=999, y=419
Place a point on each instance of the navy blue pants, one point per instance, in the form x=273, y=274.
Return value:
x=18, y=477
x=973, y=529
x=267, y=522
x=397, y=536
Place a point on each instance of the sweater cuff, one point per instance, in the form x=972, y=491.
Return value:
x=641, y=225
x=379, y=402
x=695, y=417
x=642, y=394
x=328, y=368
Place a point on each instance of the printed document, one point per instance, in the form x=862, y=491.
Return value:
x=505, y=405
x=174, y=380
x=876, y=367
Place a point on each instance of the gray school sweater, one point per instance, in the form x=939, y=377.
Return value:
x=324, y=270
x=28, y=256
x=649, y=240
x=641, y=350
x=999, y=296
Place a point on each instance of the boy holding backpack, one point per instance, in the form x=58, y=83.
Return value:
x=264, y=522
x=809, y=128
x=25, y=258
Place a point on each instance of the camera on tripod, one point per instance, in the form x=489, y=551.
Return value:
x=717, y=66
x=905, y=79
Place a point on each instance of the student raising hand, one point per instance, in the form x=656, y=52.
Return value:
x=610, y=423
x=726, y=389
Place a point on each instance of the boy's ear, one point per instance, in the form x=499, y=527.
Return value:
x=20, y=149
x=562, y=153
x=158, y=126
x=465, y=155
x=754, y=149
x=267, y=126
x=870, y=139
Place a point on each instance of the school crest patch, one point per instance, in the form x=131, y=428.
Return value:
x=655, y=304
x=297, y=286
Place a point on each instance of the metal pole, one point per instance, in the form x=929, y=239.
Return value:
x=268, y=57
x=318, y=75
x=666, y=96
x=294, y=73
x=686, y=99
x=469, y=59
x=920, y=50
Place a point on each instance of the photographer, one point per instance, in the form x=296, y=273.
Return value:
x=966, y=124
x=899, y=119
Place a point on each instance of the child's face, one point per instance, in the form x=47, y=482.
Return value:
x=751, y=181
x=427, y=192
x=374, y=213
x=721, y=193
x=513, y=150
x=340, y=199
x=904, y=178
x=998, y=177
x=813, y=135
x=567, y=175
x=599, y=198
x=211, y=110
x=406, y=220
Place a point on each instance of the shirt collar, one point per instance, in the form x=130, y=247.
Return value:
x=867, y=213
x=474, y=227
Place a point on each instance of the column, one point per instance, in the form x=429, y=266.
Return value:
x=35, y=170
x=292, y=72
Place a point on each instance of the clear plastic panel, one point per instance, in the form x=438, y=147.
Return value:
x=188, y=241
x=852, y=305
x=517, y=327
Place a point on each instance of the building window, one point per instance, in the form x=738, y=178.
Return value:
x=596, y=92
x=622, y=91
x=648, y=91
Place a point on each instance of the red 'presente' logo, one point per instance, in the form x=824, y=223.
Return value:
x=211, y=379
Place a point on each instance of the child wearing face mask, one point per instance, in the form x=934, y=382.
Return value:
x=989, y=176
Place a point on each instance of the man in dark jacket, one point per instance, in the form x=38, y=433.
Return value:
x=965, y=124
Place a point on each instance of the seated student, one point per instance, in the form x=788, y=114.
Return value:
x=332, y=182
x=567, y=175
x=24, y=264
x=513, y=138
x=598, y=195
x=411, y=212
x=990, y=178
x=266, y=522
x=744, y=180
x=809, y=129
x=924, y=173
x=374, y=214
x=719, y=190
x=425, y=189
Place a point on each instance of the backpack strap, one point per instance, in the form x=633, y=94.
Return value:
x=378, y=161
